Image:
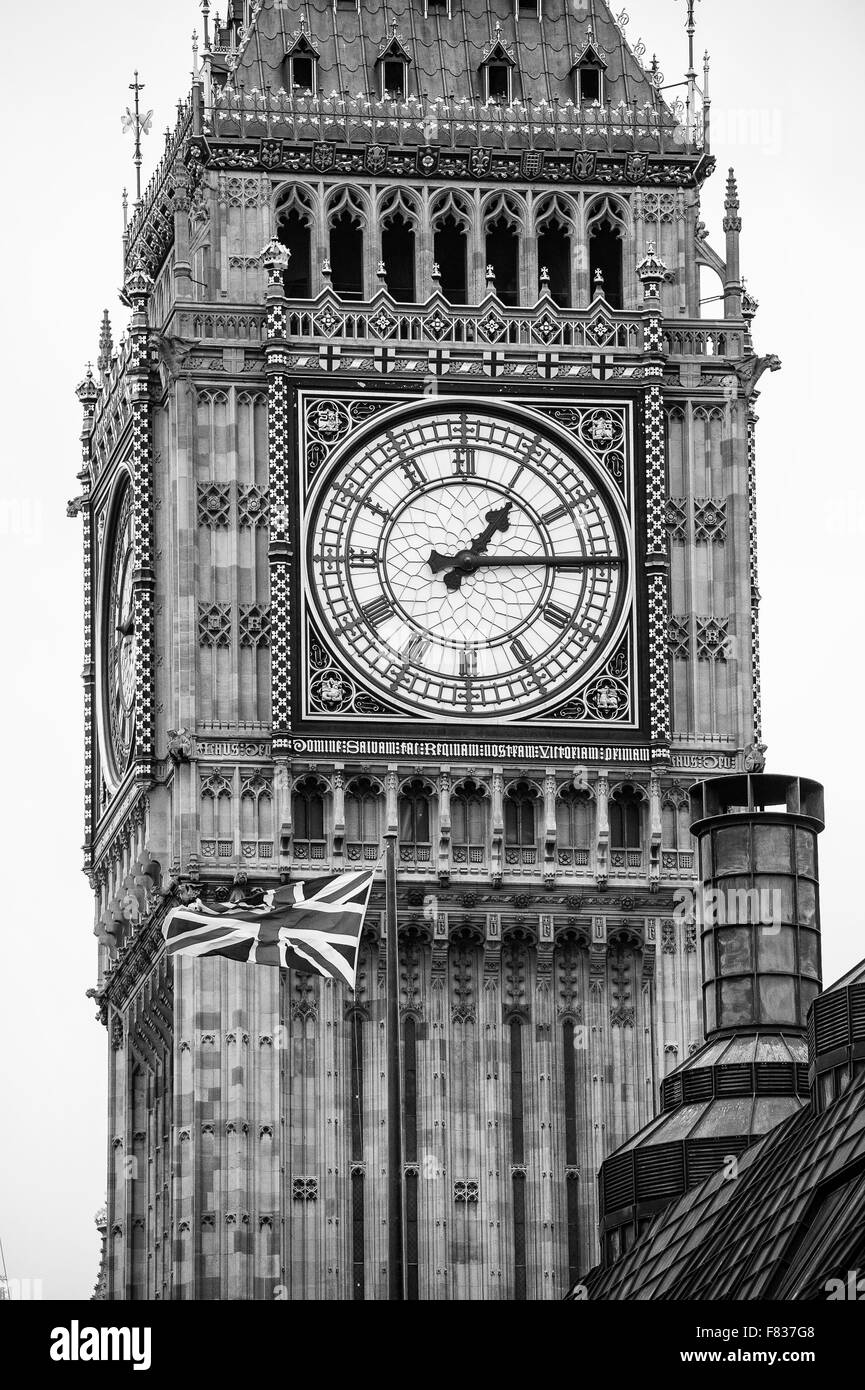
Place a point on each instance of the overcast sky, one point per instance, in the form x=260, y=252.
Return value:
x=787, y=113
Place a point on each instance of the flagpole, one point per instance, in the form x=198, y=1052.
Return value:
x=394, y=1099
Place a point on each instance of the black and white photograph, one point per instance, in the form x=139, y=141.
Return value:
x=432, y=507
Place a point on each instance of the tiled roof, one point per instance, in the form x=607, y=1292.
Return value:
x=792, y=1219
x=446, y=52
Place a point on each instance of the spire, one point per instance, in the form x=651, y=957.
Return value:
x=732, y=222
x=732, y=227
x=106, y=345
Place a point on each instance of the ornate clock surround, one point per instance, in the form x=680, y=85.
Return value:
x=116, y=642
x=601, y=433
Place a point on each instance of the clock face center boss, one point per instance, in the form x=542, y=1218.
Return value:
x=467, y=563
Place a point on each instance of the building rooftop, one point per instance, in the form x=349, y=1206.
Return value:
x=787, y=1217
x=445, y=50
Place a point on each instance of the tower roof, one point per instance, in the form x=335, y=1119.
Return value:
x=445, y=52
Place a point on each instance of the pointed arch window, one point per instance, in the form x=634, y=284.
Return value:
x=521, y=824
x=555, y=256
x=497, y=73
x=217, y=822
x=301, y=67
x=451, y=221
x=363, y=820
x=308, y=819
x=256, y=818
x=469, y=823
x=346, y=224
x=415, y=822
x=398, y=250
x=574, y=827
x=589, y=72
x=294, y=231
x=606, y=254
x=626, y=828
x=392, y=64
x=677, y=845
x=502, y=246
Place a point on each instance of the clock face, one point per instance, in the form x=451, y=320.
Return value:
x=467, y=565
x=118, y=639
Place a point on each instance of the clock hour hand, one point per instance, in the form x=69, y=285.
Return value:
x=498, y=519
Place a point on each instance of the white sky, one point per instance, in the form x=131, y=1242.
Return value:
x=787, y=114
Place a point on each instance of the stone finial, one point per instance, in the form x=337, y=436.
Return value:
x=139, y=283
x=275, y=257
x=545, y=275
x=750, y=305
x=87, y=390
x=106, y=345
x=652, y=272
x=732, y=221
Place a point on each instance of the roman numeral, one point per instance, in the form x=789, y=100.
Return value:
x=374, y=507
x=555, y=515
x=520, y=652
x=413, y=472
x=468, y=663
x=416, y=648
x=377, y=612
x=362, y=559
x=465, y=462
x=558, y=616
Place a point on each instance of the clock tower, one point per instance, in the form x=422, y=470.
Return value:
x=418, y=499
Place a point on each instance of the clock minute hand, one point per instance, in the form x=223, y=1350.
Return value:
x=565, y=562
x=498, y=519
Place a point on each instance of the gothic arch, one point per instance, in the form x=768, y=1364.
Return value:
x=556, y=207
x=608, y=230
x=348, y=199
x=607, y=205
x=364, y=800
x=364, y=783
x=295, y=197
x=415, y=803
x=427, y=783
x=347, y=224
x=256, y=816
x=575, y=813
x=452, y=224
x=504, y=218
x=626, y=814
x=474, y=785
x=469, y=811
x=524, y=783
x=629, y=788
x=508, y=207
x=450, y=202
x=394, y=202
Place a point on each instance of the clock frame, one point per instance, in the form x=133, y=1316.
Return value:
x=363, y=652
x=117, y=638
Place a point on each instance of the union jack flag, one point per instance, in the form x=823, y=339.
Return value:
x=312, y=926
